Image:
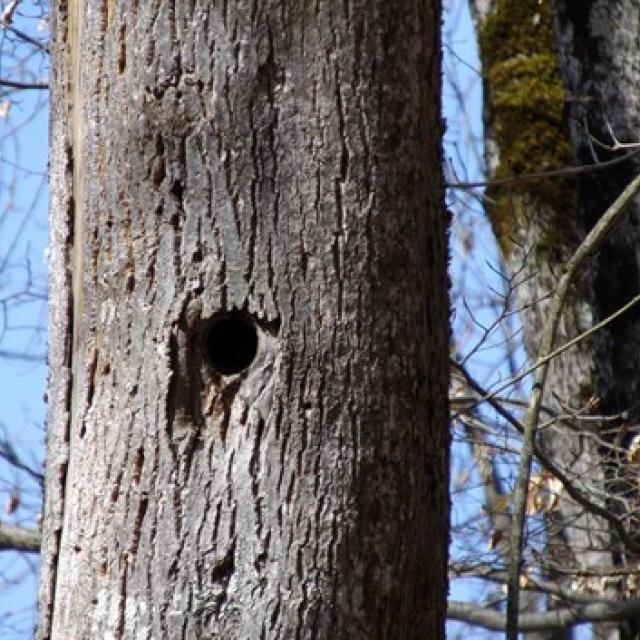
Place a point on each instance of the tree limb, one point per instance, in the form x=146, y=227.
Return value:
x=549, y=587
x=14, y=538
x=605, y=611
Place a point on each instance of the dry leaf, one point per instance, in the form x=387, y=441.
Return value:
x=633, y=454
x=12, y=503
x=544, y=494
x=462, y=480
x=535, y=495
x=555, y=488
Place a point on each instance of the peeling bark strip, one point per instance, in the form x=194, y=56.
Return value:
x=249, y=198
x=59, y=389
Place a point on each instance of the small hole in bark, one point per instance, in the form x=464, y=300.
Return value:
x=231, y=343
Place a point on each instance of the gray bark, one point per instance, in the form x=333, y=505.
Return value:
x=275, y=165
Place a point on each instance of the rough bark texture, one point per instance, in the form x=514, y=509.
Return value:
x=281, y=160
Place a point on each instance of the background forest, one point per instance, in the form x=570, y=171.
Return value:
x=558, y=148
x=542, y=112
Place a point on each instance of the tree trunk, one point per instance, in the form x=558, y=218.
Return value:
x=599, y=56
x=535, y=224
x=248, y=393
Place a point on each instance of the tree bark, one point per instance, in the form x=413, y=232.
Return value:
x=248, y=393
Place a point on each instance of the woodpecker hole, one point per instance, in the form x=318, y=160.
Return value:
x=231, y=343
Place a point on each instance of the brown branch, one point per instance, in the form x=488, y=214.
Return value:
x=13, y=538
x=544, y=175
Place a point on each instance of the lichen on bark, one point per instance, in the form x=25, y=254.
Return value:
x=526, y=98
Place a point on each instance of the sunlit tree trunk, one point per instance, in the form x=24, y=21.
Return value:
x=247, y=433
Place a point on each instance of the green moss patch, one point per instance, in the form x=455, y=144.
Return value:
x=526, y=98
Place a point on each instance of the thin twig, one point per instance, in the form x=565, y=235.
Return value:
x=14, y=84
x=27, y=38
x=574, y=492
x=555, y=353
x=543, y=175
x=8, y=354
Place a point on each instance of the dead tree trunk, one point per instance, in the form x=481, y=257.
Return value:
x=248, y=394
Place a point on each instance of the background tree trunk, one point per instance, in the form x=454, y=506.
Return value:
x=599, y=54
x=538, y=226
x=248, y=395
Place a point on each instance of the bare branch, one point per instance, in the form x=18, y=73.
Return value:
x=545, y=175
x=605, y=611
x=556, y=352
x=14, y=538
x=485, y=572
x=7, y=14
x=9, y=454
x=27, y=38
x=14, y=84
x=39, y=358
x=578, y=496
